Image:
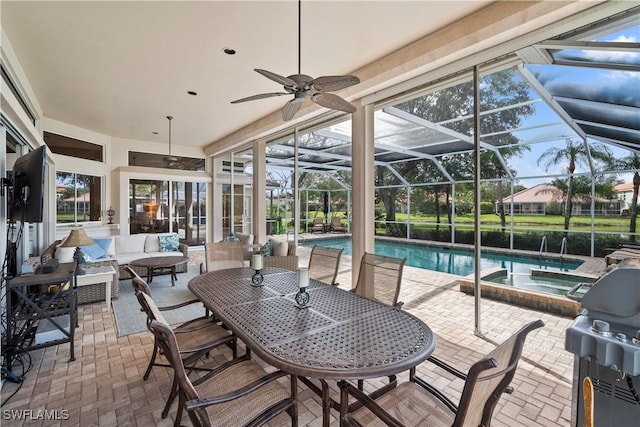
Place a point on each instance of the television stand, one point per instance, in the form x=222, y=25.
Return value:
x=41, y=312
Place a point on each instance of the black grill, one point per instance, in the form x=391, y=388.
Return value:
x=605, y=339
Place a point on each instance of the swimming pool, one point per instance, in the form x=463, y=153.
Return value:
x=453, y=261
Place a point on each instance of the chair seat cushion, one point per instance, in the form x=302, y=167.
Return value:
x=198, y=334
x=411, y=405
x=240, y=411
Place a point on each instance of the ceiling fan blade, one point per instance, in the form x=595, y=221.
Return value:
x=333, y=83
x=259, y=96
x=291, y=108
x=285, y=81
x=329, y=100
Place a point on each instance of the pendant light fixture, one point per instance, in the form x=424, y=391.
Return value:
x=170, y=160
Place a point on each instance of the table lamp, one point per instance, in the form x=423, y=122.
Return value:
x=78, y=237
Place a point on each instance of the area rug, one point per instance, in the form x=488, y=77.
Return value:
x=126, y=309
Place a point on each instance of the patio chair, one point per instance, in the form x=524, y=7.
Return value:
x=287, y=259
x=336, y=225
x=318, y=225
x=324, y=263
x=222, y=255
x=197, y=337
x=620, y=255
x=384, y=273
x=416, y=402
x=239, y=392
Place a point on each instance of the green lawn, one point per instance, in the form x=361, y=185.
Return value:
x=553, y=222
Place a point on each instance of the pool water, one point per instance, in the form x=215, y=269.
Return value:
x=461, y=263
x=542, y=284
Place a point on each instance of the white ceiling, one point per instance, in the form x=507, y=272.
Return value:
x=119, y=67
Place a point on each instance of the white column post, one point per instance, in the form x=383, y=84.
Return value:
x=259, y=186
x=362, y=152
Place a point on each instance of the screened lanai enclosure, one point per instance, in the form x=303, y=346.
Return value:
x=557, y=125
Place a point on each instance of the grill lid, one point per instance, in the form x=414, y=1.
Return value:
x=616, y=295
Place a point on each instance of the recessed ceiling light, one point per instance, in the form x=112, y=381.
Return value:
x=229, y=51
x=192, y=92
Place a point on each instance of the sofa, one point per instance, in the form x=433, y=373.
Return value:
x=118, y=251
x=91, y=293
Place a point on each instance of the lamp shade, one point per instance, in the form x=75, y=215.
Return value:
x=77, y=237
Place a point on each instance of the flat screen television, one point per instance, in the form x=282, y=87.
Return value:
x=28, y=186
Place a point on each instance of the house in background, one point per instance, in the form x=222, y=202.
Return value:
x=547, y=199
x=624, y=194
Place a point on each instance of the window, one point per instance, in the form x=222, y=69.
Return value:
x=78, y=198
x=163, y=206
x=73, y=147
x=9, y=82
x=151, y=160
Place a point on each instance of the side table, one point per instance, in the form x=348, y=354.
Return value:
x=98, y=275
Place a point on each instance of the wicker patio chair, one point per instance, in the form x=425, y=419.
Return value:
x=239, y=392
x=197, y=337
x=324, y=263
x=418, y=403
x=384, y=273
x=221, y=255
x=287, y=262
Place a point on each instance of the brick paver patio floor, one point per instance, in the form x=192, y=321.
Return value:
x=104, y=385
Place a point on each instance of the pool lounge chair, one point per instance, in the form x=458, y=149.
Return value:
x=318, y=225
x=336, y=225
x=620, y=255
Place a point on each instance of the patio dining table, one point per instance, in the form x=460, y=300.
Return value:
x=340, y=336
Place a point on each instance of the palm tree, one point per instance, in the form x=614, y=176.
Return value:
x=575, y=152
x=630, y=163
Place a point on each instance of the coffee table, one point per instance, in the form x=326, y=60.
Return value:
x=160, y=264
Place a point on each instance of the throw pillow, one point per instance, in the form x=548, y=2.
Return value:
x=106, y=244
x=169, y=243
x=266, y=250
x=92, y=252
x=280, y=247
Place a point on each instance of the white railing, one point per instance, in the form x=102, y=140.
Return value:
x=543, y=245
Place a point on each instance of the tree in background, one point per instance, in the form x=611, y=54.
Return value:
x=454, y=105
x=575, y=153
x=603, y=186
x=630, y=163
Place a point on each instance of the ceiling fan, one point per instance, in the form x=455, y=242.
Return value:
x=170, y=160
x=302, y=86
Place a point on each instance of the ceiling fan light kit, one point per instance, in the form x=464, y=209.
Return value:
x=302, y=86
